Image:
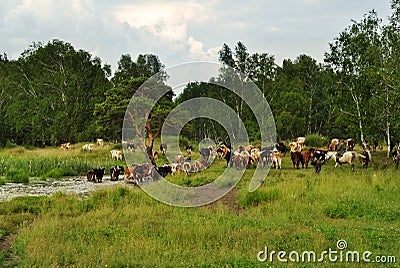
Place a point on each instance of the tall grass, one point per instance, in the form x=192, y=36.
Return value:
x=294, y=210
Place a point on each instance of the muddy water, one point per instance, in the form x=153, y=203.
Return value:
x=69, y=185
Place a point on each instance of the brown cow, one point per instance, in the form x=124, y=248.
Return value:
x=305, y=158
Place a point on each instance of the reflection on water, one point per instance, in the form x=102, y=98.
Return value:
x=69, y=185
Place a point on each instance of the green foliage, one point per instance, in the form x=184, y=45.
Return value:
x=56, y=173
x=316, y=140
x=17, y=176
x=259, y=196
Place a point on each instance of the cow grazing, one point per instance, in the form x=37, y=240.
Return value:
x=115, y=172
x=66, y=146
x=116, y=154
x=163, y=148
x=88, y=147
x=296, y=159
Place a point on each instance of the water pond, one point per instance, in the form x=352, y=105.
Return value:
x=69, y=185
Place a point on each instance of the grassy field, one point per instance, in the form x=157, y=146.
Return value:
x=293, y=211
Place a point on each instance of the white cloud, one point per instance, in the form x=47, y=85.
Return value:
x=161, y=19
x=196, y=50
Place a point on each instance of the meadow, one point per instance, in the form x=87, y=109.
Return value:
x=294, y=210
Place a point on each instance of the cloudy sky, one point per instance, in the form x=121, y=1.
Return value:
x=181, y=31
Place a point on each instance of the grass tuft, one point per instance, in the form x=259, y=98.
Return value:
x=17, y=176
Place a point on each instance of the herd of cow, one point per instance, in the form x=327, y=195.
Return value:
x=341, y=151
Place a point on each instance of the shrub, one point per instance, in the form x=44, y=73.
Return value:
x=2, y=181
x=17, y=176
x=316, y=140
x=10, y=145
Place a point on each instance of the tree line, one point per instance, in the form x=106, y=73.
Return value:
x=54, y=93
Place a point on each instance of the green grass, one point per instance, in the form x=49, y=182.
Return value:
x=293, y=210
x=17, y=176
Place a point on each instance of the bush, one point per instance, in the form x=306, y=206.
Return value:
x=2, y=181
x=17, y=176
x=316, y=140
x=10, y=145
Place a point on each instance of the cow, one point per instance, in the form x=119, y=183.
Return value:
x=164, y=170
x=116, y=154
x=246, y=158
x=237, y=160
x=189, y=149
x=139, y=172
x=276, y=158
x=222, y=151
x=305, y=158
x=100, y=142
x=293, y=146
x=115, y=172
x=255, y=155
x=205, y=153
x=179, y=159
x=332, y=146
x=350, y=143
x=281, y=147
x=155, y=155
x=228, y=158
x=319, y=154
x=296, y=159
x=163, y=148
x=317, y=164
x=88, y=147
x=187, y=167
x=265, y=156
x=300, y=141
x=65, y=146
x=95, y=175
x=131, y=147
x=348, y=157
